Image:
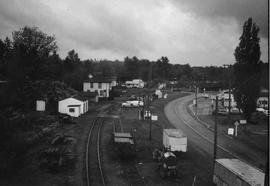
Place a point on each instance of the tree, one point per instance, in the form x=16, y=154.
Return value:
x=31, y=48
x=34, y=41
x=247, y=69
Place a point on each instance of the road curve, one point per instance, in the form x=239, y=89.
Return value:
x=178, y=115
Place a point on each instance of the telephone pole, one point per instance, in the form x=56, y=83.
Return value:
x=230, y=97
x=215, y=137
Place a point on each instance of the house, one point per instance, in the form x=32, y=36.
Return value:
x=158, y=93
x=90, y=96
x=135, y=83
x=73, y=106
x=113, y=81
x=226, y=100
x=98, y=84
x=262, y=101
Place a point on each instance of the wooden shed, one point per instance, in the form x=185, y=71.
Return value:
x=74, y=106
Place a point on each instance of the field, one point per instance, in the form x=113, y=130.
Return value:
x=73, y=173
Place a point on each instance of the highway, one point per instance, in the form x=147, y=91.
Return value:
x=201, y=138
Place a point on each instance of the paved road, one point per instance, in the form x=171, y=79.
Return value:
x=202, y=138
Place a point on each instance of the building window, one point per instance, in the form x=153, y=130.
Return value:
x=71, y=110
x=99, y=85
x=91, y=85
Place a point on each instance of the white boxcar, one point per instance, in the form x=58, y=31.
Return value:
x=175, y=140
x=233, y=172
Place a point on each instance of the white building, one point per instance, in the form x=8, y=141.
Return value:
x=100, y=85
x=40, y=105
x=73, y=106
x=113, y=81
x=135, y=83
x=226, y=99
x=159, y=94
x=262, y=101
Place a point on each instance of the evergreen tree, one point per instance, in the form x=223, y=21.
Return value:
x=247, y=69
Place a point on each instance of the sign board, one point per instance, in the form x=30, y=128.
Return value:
x=243, y=121
x=154, y=117
x=230, y=131
x=236, y=123
x=165, y=96
x=194, y=102
x=147, y=114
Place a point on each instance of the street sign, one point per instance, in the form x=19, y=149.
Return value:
x=154, y=117
x=243, y=121
x=230, y=131
x=236, y=123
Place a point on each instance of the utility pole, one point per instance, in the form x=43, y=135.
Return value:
x=230, y=82
x=215, y=137
x=230, y=97
x=196, y=95
x=149, y=117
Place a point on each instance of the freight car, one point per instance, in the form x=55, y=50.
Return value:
x=124, y=144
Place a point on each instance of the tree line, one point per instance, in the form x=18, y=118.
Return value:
x=30, y=56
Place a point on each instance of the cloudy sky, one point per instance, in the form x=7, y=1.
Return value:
x=198, y=32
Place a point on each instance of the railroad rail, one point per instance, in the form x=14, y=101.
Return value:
x=94, y=172
x=131, y=173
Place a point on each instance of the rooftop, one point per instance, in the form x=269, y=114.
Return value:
x=248, y=173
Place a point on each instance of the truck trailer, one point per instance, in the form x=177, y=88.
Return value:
x=174, y=140
x=234, y=172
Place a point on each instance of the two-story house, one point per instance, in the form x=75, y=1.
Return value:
x=101, y=86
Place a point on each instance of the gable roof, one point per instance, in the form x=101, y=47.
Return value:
x=99, y=79
x=79, y=97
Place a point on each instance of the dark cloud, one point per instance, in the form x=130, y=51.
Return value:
x=143, y=28
x=108, y=30
x=240, y=10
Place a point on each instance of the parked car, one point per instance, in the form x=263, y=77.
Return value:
x=205, y=95
x=235, y=110
x=262, y=110
x=223, y=111
x=134, y=103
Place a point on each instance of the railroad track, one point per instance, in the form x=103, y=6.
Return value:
x=131, y=173
x=94, y=172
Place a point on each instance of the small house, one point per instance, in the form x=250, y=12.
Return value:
x=159, y=94
x=40, y=105
x=73, y=106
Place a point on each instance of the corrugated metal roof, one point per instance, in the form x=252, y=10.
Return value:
x=122, y=134
x=248, y=173
x=177, y=133
x=124, y=140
